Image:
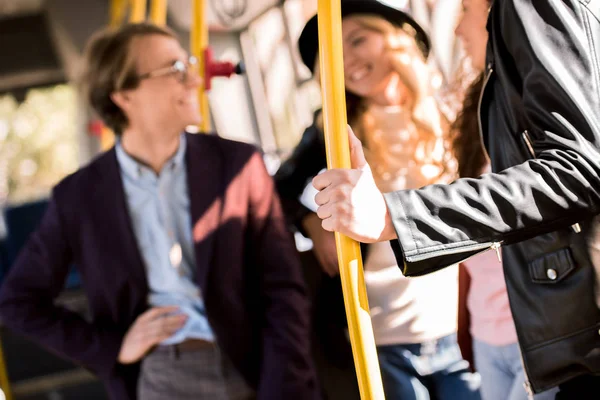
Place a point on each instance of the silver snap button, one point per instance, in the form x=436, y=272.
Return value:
x=551, y=274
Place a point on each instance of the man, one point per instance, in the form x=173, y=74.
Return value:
x=541, y=128
x=194, y=288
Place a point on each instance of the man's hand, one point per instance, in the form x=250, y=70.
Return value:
x=148, y=330
x=350, y=202
x=323, y=244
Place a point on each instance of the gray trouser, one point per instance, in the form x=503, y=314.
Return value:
x=169, y=374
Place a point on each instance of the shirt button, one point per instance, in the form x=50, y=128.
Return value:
x=551, y=274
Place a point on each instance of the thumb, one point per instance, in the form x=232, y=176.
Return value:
x=357, y=155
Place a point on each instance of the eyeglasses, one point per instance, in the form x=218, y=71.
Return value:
x=180, y=69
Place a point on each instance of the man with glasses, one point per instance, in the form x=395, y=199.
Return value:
x=193, y=284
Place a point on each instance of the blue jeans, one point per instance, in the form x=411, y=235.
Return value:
x=427, y=371
x=502, y=375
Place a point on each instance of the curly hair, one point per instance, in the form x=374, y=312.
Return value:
x=415, y=74
x=408, y=61
x=466, y=141
x=467, y=146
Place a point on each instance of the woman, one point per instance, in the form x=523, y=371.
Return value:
x=495, y=347
x=391, y=107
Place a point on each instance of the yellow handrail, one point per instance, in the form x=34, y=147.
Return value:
x=117, y=12
x=4, y=382
x=199, y=43
x=338, y=156
x=158, y=12
x=137, y=12
x=118, y=9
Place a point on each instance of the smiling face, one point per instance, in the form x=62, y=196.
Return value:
x=168, y=100
x=368, y=69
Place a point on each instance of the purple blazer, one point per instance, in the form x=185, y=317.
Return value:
x=248, y=271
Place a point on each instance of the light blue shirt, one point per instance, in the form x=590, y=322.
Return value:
x=159, y=206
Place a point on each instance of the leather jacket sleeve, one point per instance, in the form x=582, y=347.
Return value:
x=546, y=55
x=295, y=173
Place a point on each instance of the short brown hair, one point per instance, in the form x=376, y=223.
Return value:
x=109, y=67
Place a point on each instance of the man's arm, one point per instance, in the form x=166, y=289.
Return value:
x=287, y=370
x=553, y=46
x=27, y=301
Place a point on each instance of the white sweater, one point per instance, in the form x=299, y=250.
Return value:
x=405, y=310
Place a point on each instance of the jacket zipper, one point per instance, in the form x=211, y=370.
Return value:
x=576, y=227
x=477, y=247
x=489, y=70
x=527, y=383
x=488, y=75
x=496, y=247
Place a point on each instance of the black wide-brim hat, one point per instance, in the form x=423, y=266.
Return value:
x=308, y=43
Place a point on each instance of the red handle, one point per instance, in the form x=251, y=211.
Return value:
x=215, y=68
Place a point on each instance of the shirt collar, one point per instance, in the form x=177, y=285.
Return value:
x=136, y=170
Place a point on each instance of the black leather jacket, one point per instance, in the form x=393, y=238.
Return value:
x=540, y=114
x=307, y=159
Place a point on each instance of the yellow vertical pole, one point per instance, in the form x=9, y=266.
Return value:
x=338, y=156
x=198, y=43
x=118, y=9
x=117, y=12
x=158, y=12
x=137, y=13
x=107, y=138
x=4, y=382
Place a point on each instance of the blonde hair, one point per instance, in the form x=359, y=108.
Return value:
x=417, y=76
x=414, y=72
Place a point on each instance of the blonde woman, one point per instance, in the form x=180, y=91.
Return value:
x=392, y=108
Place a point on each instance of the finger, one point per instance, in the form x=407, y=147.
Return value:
x=165, y=326
x=329, y=224
x=154, y=338
x=357, y=155
x=160, y=324
x=336, y=193
x=161, y=338
x=322, y=180
x=156, y=312
x=322, y=197
x=333, y=194
x=325, y=211
x=170, y=328
x=171, y=322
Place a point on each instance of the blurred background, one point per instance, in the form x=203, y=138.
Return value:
x=47, y=132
